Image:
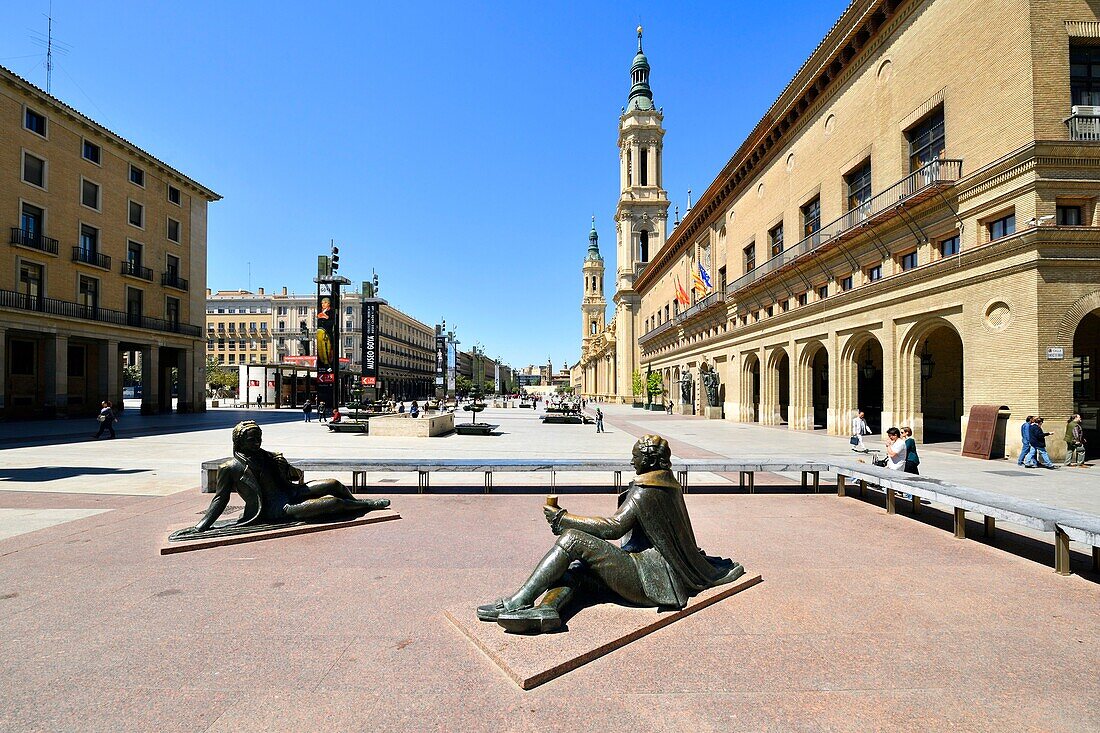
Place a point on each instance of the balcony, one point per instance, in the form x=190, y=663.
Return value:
x=34, y=240
x=133, y=269
x=657, y=331
x=914, y=188
x=173, y=280
x=91, y=257
x=1084, y=126
x=68, y=309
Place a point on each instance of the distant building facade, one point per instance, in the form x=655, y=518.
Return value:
x=106, y=256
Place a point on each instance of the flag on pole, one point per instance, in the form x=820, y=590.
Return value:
x=705, y=277
x=681, y=294
x=697, y=281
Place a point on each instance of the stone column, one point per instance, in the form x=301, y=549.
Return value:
x=150, y=379
x=57, y=375
x=185, y=390
x=110, y=376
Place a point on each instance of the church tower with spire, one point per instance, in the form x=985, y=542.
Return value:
x=641, y=217
x=594, y=305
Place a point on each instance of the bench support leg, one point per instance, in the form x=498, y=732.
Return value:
x=990, y=529
x=817, y=481
x=682, y=477
x=488, y=481
x=890, y=508
x=618, y=481
x=751, y=480
x=1061, y=552
x=804, y=479
x=1096, y=559
x=960, y=523
x=916, y=503
x=422, y=483
x=553, y=481
x=841, y=479
x=862, y=486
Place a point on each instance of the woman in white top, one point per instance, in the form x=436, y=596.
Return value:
x=895, y=450
x=859, y=429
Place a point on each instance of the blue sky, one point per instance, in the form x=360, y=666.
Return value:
x=459, y=149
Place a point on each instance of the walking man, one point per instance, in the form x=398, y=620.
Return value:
x=259, y=401
x=106, y=419
x=859, y=429
x=1038, y=446
x=599, y=421
x=1075, y=442
x=307, y=410
x=1025, y=441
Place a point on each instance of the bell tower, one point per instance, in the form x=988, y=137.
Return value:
x=641, y=216
x=594, y=305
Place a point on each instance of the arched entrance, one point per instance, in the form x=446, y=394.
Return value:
x=941, y=384
x=779, y=388
x=869, y=395
x=819, y=388
x=750, y=389
x=1086, y=382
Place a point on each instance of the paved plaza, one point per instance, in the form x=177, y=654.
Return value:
x=863, y=621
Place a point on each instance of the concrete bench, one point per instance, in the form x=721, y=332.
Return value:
x=1079, y=527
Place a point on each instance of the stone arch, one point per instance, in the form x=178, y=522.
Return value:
x=1076, y=313
x=933, y=407
x=776, y=388
x=855, y=389
x=810, y=382
x=749, y=408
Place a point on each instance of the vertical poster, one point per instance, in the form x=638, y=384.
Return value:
x=370, y=345
x=328, y=334
x=440, y=358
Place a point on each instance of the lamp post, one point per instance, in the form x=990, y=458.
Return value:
x=927, y=363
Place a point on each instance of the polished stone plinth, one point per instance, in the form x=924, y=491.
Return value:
x=271, y=532
x=591, y=633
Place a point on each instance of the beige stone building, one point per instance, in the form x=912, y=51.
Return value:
x=239, y=327
x=910, y=229
x=107, y=254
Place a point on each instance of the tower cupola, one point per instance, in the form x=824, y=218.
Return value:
x=594, y=243
x=641, y=96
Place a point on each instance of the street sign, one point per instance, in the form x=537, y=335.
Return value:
x=1055, y=353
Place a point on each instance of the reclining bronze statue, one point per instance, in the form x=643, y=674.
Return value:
x=272, y=490
x=658, y=562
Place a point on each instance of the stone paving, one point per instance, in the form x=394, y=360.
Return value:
x=864, y=621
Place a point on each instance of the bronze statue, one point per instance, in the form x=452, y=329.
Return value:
x=709, y=377
x=657, y=564
x=272, y=489
x=686, y=383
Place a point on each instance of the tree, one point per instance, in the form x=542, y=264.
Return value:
x=655, y=384
x=221, y=380
x=636, y=383
x=463, y=385
x=131, y=375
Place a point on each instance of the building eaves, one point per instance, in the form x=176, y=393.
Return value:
x=14, y=80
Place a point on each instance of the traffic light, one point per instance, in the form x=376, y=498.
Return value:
x=335, y=259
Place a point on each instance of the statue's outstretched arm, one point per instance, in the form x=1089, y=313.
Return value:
x=218, y=503
x=606, y=528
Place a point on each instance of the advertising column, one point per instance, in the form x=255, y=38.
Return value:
x=369, y=379
x=440, y=363
x=328, y=335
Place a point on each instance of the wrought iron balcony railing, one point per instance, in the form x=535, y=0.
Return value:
x=173, y=280
x=922, y=180
x=133, y=269
x=34, y=240
x=68, y=309
x=91, y=257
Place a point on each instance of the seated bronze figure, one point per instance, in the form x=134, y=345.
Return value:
x=272, y=490
x=657, y=564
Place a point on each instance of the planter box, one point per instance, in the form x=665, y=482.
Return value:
x=404, y=426
x=475, y=429
x=639, y=405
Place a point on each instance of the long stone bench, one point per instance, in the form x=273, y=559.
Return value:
x=1066, y=524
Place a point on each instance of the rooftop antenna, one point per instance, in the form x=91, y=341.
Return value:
x=250, y=276
x=51, y=45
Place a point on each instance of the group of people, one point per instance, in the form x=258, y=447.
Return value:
x=322, y=411
x=901, y=448
x=414, y=409
x=1033, y=439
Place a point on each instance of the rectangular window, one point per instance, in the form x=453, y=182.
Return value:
x=23, y=358
x=137, y=214
x=908, y=260
x=823, y=292
x=785, y=305
x=1002, y=227
x=31, y=222
x=35, y=122
x=775, y=239
x=949, y=246
x=858, y=183
x=750, y=257
x=811, y=217
x=172, y=311
x=769, y=311
x=174, y=195
x=134, y=305
x=874, y=273
x=89, y=240
x=233, y=358
x=133, y=257
x=643, y=174
x=90, y=151
x=926, y=140
x=803, y=298
x=172, y=268
x=31, y=278
x=1069, y=216
x=846, y=284
x=34, y=170
x=89, y=194
x=1084, y=74
x=173, y=230
x=137, y=176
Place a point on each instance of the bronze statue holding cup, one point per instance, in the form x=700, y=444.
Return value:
x=657, y=564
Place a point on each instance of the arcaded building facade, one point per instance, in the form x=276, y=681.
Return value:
x=911, y=229
x=106, y=255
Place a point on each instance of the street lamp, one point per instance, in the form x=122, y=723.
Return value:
x=868, y=366
x=927, y=363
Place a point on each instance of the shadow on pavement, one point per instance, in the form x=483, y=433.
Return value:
x=52, y=473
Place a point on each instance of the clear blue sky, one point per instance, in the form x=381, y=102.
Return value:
x=457, y=148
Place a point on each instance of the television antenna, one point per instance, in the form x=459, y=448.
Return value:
x=48, y=42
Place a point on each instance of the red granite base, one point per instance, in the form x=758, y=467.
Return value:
x=592, y=633
x=172, y=548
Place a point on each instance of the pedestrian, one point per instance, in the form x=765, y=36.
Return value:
x=307, y=410
x=1038, y=446
x=859, y=429
x=668, y=407
x=1025, y=440
x=1075, y=442
x=322, y=412
x=912, y=460
x=259, y=401
x=401, y=408
x=107, y=419
x=414, y=411
x=895, y=450
x=599, y=421
x=336, y=416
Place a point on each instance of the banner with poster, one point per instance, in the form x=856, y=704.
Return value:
x=328, y=311
x=370, y=344
x=440, y=359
